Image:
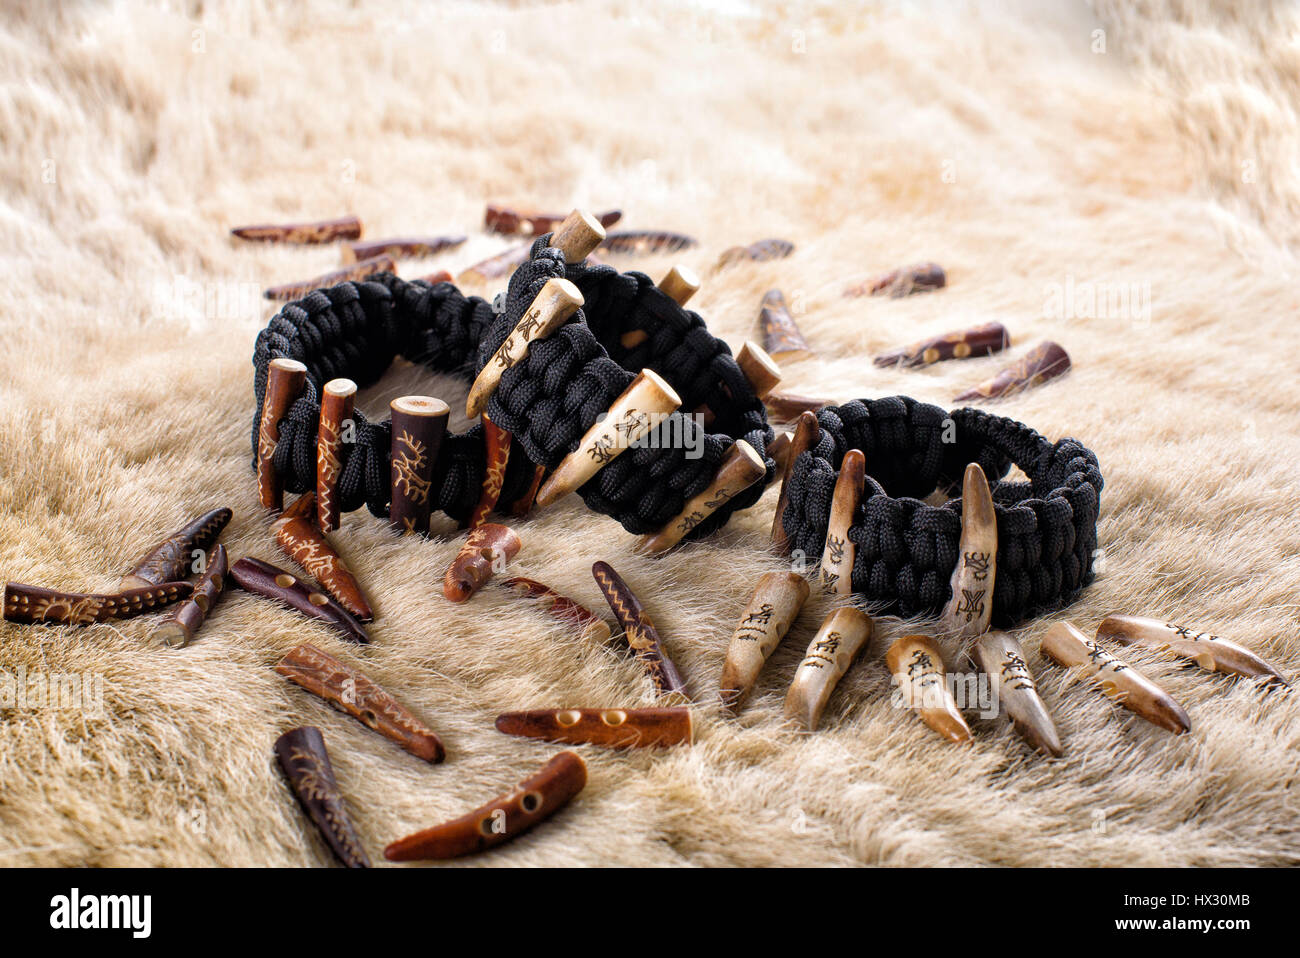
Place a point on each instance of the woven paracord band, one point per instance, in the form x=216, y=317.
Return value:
x=554, y=395
x=905, y=549
x=356, y=330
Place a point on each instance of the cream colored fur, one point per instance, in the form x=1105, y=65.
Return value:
x=996, y=142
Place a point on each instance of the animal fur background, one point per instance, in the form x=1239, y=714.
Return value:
x=1032, y=149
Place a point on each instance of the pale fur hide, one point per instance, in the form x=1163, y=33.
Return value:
x=1002, y=143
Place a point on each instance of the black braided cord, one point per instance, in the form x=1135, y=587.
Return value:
x=547, y=401
x=905, y=549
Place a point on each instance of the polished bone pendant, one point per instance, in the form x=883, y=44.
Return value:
x=558, y=300
x=614, y=728
x=356, y=694
x=306, y=764
x=640, y=630
x=781, y=335
x=400, y=248
x=640, y=408
x=172, y=559
x=1210, y=652
x=337, y=401
x=772, y=609
x=285, y=381
x=419, y=424
x=759, y=252
x=352, y=273
x=839, y=553
x=306, y=545
x=786, y=407
x=679, y=284
x=486, y=551
x=1045, y=361
x=1012, y=685
x=498, y=266
x=970, y=608
x=646, y=242
x=843, y=635
x=500, y=820
x=919, y=278
x=324, y=231
x=188, y=617
x=262, y=578
x=806, y=434
x=917, y=666
x=760, y=371
x=503, y=219
x=589, y=625
x=31, y=604
x=578, y=236
x=1067, y=646
x=740, y=468
x=496, y=444
x=962, y=344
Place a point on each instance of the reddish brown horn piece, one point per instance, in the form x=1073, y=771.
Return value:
x=188, y=617
x=496, y=444
x=640, y=630
x=285, y=381
x=171, y=559
x=404, y=248
x=590, y=625
x=337, y=401
x=1045, y=361
x=613, y=728
x=488, y=546
x=262, y=578
x=352, y=273
x=962, y=344
x=31, y=604
x=323, y=231
x=781, y=335
x=419, y=424
x=306, y=545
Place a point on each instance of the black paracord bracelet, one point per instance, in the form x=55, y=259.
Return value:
x=905, y=549
x=356, y=330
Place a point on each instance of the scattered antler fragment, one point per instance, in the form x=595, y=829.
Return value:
x=358, y=695
x=962, y=344
x=1012, y=686
x=646, y=242
x=324, y=231
x=591, y=626
x=306, y=545
x=640, y=629
x=772, y=609
x=781, y=335
x=500, y=820
x=349, y=274
x=306, y=764
x=758, y=252
x=614, y=728
x=31, y=604
x=187, y=618
x=919, y=278
x=917, y=666
x=488, y=546
x=843, y=634
x=1045, y=361
x=170, y=560
x=510, y=222
x=262, y=578
x=400, y=248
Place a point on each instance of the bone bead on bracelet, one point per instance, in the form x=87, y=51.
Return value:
x=969, y=611
x=919, y=674
x=612, y=728
x=781, y=335
x=171, y=559
x=740, y=468
x=306, y=545
x=500, y=820
x=418, y=425
x=589, y=625
x=1067, y=646
x=636, y=411
x=760, y=371
x=1210, y=652
x=842, y=636
x=488, y=546
x=337, y=401
x=806, y=433
x=839, y=553
x=771, y=610
x=558, y=300
x=188, y=617
x=323, y=231
x=358, y=695
x=285, y=381
x=261, y=578
x=352, y=273
x=496, y=444
x=640, y=630
x=999, y=655
x=679, y=284
x=31, y=604
x=306, y=764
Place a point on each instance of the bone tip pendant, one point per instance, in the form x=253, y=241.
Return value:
x=578, y=235
x=680, y=284
x=760, y=369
